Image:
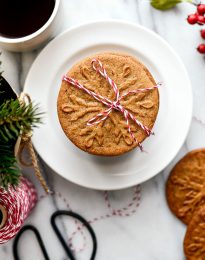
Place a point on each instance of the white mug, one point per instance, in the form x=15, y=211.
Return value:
x=34, y=40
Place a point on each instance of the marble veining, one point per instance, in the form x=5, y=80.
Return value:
x=152, y=233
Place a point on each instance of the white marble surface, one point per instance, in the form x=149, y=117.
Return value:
x=152, y=233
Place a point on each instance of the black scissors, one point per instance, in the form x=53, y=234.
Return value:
x=60, y=237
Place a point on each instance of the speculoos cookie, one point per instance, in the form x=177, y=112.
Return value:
x=185, y=188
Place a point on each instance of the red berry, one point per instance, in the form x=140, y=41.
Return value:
x=201, y=9
x=192, y=18
x=201, y=48
x=203, y=33
x=201, y=19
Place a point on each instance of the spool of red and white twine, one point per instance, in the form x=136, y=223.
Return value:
x=15, y=206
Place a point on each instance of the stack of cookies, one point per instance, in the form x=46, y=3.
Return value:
x=109, y=137
x=186, y=199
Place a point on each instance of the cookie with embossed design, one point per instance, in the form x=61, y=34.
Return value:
x=75, y=107
x=185, y=188
x=194, y=241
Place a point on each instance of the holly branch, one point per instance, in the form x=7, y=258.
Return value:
x=197, y=18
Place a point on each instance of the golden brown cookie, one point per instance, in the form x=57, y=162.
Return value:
x=194, y=241
x=76, y=108
x=186, y=185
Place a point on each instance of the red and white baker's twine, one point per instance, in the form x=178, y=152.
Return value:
x=125, y=211
x=18, y=202
x=98, y=67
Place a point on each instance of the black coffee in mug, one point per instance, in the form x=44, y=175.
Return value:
x=19, y=18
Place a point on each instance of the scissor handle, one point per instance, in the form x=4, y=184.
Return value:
x=60, y=237
x=39, y=239
x=83, y=221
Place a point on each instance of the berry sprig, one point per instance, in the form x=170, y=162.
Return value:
x=199, y=18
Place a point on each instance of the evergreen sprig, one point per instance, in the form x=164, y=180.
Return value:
x=16, y=118
x=9, y=170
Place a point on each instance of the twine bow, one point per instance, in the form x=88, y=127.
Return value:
x=98, y=67
x=23, y=141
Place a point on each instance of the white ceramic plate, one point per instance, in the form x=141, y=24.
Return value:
x=173, y=121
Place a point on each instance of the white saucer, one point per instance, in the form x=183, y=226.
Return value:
x=173, y=121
